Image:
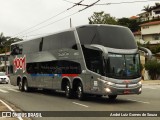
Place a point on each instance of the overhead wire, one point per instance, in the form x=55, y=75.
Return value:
x=75, y=4
x=126, y=2
x=63, y=17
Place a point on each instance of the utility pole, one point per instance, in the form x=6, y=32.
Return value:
x=70, y=23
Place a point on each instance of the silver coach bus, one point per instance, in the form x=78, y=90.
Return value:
x=92, y=59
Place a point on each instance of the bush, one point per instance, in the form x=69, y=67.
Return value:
x=153, y=67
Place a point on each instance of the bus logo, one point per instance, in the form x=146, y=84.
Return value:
x=20, y=63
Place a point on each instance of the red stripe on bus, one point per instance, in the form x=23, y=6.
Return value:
x=69, y=75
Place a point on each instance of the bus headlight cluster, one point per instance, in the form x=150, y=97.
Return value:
x=110, y=83
x=108, y=90
x=140, y=89
x=139, y=83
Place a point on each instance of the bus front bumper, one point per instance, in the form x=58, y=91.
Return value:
x=112, y=90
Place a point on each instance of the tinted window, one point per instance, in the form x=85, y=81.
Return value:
x=32, y=46
x=60, y=40
x=123, y=66
x=109, y=36
x=54, y=67
x=93, y=59
x=16, y=49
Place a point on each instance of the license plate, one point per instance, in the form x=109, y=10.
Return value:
x=127, y=91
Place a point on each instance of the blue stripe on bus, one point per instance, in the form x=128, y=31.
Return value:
x=36, y=75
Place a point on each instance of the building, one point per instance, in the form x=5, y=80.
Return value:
x=4, y=63
x=153, y=13
x=150, y=32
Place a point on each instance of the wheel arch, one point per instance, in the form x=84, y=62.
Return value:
x=64, y=82
x=19, y=78
x=76, y=82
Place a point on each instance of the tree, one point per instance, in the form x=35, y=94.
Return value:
x=5, y=42
x=102, y=18
x=132, y=24
x=153, y=67
x=147, y=8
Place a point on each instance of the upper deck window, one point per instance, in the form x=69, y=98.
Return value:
x=108, y=36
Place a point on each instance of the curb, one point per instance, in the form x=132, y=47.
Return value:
x=10, y=109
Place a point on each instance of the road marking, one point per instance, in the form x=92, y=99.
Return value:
x=139, y=101
x=3, y=91
x=20, y=118
x=80, y=104
x=13, y=90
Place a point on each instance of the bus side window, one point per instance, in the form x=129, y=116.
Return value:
x=16, y=49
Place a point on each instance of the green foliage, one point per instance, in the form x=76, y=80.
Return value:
x=132, y=24
x=147, y=8
x=102, y=18
x=155, y=49
x=153, y=67
x=5, y=42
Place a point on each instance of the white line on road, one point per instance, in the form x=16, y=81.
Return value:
x=13, y=90
x=20, y=118
x=138, y=101
x=80, y=104
x=3, y=91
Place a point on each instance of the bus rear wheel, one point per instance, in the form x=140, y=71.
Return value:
x=21, y=85
x=26, y=88
x=68, y=91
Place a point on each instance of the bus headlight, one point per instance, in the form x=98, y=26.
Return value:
x=139, y=83
x=140, y=89
x=110, y=83
x=108, y=90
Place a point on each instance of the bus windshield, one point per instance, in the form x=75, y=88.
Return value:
x=122, y=66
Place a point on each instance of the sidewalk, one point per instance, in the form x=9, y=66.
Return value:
x=150, y=82
x=4, y=108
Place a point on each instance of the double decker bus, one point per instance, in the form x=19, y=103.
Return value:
x=92, y=59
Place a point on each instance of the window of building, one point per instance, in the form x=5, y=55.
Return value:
x=145, y=27
x=156, y=37
x=157, y=12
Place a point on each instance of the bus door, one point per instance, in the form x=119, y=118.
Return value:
x=96, y=67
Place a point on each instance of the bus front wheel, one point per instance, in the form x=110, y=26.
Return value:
x=80, y=94
x=112, y=97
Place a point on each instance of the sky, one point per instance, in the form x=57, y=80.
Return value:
x=18, y=17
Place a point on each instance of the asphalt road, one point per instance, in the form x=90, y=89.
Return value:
x=149, y=100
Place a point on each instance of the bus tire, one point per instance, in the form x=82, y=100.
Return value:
x=21, y=85
x=68, y=90
x=26, y=88
x=80, y=94
x=112, y=97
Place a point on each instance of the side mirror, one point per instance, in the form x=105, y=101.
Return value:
x=147, y=51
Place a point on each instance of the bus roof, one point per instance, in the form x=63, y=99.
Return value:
x=70, y=29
